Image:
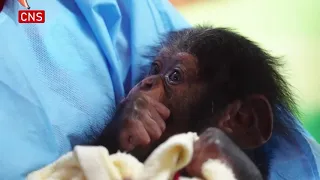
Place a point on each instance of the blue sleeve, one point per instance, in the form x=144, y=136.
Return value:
x=60, y=81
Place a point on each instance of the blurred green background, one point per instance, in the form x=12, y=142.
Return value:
x=287, y=28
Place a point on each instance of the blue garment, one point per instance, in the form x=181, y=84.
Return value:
x=60, y=80
x=295, y=154
x=75, y=67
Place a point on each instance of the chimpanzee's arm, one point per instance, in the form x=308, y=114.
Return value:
x=110, y=135
x=138, y=121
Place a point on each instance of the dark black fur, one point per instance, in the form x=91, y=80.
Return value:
x=233, y=67
x=233, y=63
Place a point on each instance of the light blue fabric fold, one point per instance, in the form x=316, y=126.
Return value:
x=60, y=81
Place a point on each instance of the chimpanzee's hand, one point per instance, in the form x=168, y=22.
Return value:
x=139, y=120
x=214, y=144
x=143, y=121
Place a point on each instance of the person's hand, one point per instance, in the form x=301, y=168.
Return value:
x=143, y=121
x=215, y=144
x=208, y=146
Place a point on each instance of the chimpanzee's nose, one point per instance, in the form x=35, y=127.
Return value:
x=148, y=83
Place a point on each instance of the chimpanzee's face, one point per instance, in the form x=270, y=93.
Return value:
x=173, y=80
x=202, y=77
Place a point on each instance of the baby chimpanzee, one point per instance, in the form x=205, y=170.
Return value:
x=205, y=77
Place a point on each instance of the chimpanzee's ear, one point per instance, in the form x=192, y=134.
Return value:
x=250, y=122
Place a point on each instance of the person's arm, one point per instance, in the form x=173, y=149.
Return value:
x=60, y=80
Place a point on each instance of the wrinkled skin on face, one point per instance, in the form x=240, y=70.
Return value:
x=171, y=81
x=157, y=107
x=152, y=116
x=195, y=83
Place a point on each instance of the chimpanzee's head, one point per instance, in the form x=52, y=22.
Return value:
x=213, y=77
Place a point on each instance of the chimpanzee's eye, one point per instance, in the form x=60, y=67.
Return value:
x=155, y=69
x=175, y=77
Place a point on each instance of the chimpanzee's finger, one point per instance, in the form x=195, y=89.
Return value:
x=152, y=127
x=133, y=134
x=163, y=111
x=125, y=141
x=157, y=118
x=140, y=135
x=125, y=136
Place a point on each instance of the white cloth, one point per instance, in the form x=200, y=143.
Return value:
x=95, y=163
